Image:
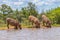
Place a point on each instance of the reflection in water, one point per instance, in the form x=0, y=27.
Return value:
x=31, y=34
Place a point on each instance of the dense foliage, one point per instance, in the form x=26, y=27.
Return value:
x=54, y=15
x=22, y=15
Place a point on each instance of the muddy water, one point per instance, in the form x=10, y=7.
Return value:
x=31, y=34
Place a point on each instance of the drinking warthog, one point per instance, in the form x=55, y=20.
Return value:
x=13, y=22
x=35, y=21
x=46, y=21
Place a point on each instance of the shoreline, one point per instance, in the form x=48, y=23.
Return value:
x=5, y=28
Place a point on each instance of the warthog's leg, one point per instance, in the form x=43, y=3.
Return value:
x=48, y=25
x=8, y=25
x=37, y=25
x=20, y=27
x=32, y=23
x=43, y=23
x=15, y=27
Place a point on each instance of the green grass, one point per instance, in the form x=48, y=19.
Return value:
x=26, y=25
x=56, y=25
x=2, y=25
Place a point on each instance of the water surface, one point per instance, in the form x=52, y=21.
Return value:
x=31, y=34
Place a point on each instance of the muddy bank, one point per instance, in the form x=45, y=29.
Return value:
x=12, y=27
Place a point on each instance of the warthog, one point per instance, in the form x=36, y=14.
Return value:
x=46, y=21
x=35, y=21
x=13, y=22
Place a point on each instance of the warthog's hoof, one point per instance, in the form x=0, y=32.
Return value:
x=48, y=26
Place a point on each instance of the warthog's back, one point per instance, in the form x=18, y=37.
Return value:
x=12, y=21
